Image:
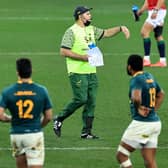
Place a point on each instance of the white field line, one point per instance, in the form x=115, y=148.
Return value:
x=27, y=53
x=51, y=53
x=68, y=148
x=36, y=18
x=79, y=148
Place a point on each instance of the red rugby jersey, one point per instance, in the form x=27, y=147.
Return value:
x=152, y=4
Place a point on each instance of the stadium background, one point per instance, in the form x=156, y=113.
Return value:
x=34, y=29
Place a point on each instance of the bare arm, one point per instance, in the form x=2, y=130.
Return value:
x=159, y=99
x=68, y=53
x=136, y=98
x=46, y=118
x=143, y=8
x=3, y=116
x=115, y=30
x=159, y=4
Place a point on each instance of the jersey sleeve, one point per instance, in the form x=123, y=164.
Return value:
x=3, y=102
x=68, y=39
x=136, y=84
x=98, y=32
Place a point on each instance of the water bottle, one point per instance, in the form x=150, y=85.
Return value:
x=134, y=10
x=92, y=45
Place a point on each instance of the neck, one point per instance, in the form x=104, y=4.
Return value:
x=25, y=80
x=80, y=23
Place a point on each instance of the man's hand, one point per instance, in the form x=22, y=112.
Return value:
x=144, y=111
x=135, y=14
x=126, y=32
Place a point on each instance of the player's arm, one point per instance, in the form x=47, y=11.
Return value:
x=66, y=52
x=115, y=30
x=137, y=100
x=159, y=4
x=67, y=44
x=143, y=8
x=3, y=116
x=47, y=117
x=159, y=99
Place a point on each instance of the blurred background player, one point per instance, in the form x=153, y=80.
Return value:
x=154, y=22
x=30, y=109
x=146, y=96
x=83, y=79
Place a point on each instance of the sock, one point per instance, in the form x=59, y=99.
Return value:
x=147, y=46
x=163, y=60
x=161, y=48
x=147, y=57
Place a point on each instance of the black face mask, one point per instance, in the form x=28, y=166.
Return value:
x=87, y=23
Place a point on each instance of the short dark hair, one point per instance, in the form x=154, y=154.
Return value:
x=24, y=67
x=136, y=62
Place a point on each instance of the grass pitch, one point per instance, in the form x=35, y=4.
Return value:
x=34, y=29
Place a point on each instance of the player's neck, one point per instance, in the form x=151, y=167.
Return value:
x=25, y=80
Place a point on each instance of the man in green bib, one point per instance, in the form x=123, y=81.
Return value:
x=82, y=75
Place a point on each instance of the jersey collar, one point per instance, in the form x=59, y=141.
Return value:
x=138, y=73
x=29, y=82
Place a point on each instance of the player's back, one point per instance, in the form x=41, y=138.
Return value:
x=26, y=102
x=149, y=88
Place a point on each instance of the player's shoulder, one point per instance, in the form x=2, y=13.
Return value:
x=9, y=88
x=70, y=28
x=148, y=75
x=69, y=31
x=137, y=79
x=40, y=87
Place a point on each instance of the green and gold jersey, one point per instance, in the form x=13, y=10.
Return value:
x=77, y=39
x=26, y=103
x=149, y=88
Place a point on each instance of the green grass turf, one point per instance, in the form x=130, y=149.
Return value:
x=34, y=29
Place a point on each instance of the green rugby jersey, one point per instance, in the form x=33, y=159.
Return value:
x=149, y=88
x=26, y=103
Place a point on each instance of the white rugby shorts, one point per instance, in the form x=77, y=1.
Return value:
x=142, y=134
x=30, y=144
x=159, y=21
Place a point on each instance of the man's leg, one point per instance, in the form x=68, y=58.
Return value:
x=161, y=47
x=149, y=157
x=88, y=112
x=79, y=86
x=123, y=153
x=145, y=33
x=21, y=161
